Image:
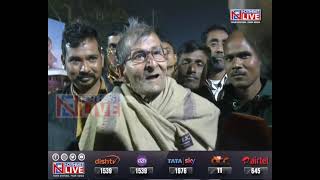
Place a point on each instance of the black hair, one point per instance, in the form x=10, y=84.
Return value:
x=114, y=33
x=77, y=32
x=191, y=46
x=214, y=27
x=167, y=40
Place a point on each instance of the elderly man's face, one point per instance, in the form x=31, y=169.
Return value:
x=146, y=78
x=241, y=62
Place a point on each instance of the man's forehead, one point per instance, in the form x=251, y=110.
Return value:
x=237, y=45
x=166, y=45
x=85, y=43
x=217, y=34
x=86, y=46
x=147, y=42
x=195, y=55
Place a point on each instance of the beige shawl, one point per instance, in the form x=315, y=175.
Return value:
x=176, y=119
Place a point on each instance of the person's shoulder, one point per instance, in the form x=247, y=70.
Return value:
x=204, y=103
x=111, y=97
x=204, y=91
x=266, y=91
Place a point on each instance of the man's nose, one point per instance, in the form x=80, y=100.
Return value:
x=150, y=63
x=84, y=67
x=219, y=49
x=236, y=63
x=192, y=68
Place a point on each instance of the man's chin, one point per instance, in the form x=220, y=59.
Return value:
x=218, y=67
x=85, y=85
x=240, y=84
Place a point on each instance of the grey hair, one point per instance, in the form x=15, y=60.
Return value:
x=131, y=35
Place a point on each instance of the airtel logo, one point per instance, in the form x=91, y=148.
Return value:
x=255, y=160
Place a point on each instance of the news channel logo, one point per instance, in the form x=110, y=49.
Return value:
x=245, y=15
x=60, y=168
x=68, y=165
x=65, y=157
x=66, y=106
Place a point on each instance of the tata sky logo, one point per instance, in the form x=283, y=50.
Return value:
x=182, y=161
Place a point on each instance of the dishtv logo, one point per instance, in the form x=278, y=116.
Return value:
x=68, y=168
x=245, y=15
x=111, y=160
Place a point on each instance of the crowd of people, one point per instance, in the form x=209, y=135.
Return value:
x=207, y=95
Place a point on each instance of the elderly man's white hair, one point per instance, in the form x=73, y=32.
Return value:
x=131, y=35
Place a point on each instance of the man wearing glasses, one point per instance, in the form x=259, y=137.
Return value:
x=150, y=111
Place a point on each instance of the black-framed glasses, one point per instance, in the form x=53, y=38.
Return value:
x=140, y=56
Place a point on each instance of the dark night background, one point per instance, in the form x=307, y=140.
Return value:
x=177, y=20
x=180, y=20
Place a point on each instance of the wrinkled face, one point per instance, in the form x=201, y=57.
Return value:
x=146, y=78
x=171, y=56
x=84, y=64
x=241, y=62
x=215, y=41
x=190, y=68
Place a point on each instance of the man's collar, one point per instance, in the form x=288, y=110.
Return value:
x=265, y=91
x=266, y=88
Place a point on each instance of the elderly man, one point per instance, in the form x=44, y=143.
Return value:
x=150, y=111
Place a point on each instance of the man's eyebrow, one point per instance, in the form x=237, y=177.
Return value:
x=199, y=60
x=74, y=58
x=92, y=56
x=213, y=40
x=186, y=59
